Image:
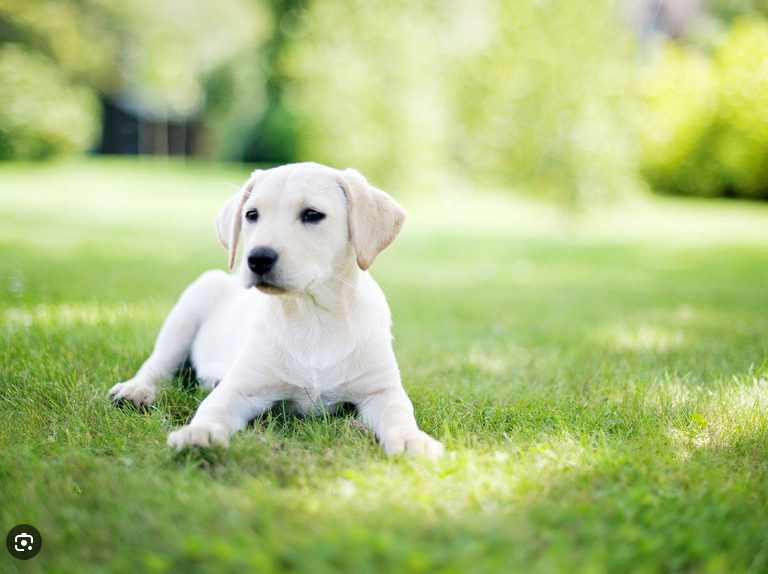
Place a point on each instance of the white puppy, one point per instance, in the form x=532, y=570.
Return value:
x=310, y=327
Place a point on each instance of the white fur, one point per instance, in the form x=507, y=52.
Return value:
x=314, y=332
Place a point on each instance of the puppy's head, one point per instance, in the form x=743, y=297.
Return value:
x=303, y=224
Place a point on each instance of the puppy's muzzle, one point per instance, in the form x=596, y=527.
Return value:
x=261, y=260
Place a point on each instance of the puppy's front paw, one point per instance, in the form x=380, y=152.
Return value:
x=414, y=442
x=134, y=392
x=198, y=435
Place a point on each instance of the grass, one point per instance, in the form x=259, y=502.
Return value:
x=601, y=383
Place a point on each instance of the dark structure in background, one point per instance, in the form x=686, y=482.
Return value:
x=129, y=129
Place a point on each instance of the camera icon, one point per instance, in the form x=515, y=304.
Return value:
x=23, y=542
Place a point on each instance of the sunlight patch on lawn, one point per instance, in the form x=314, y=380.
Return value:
x=461, y=481
x=662, y=331
x=77, y=314
x=499, y=363
x=722, y=416
x=643, y=337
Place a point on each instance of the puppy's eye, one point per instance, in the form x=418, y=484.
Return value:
x=251, y=215
x=311, y=216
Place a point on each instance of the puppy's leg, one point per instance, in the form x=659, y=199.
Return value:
x=389, y=413
x=174, y=340
x=222, y=413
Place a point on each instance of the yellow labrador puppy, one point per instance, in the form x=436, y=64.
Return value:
x=305, y=323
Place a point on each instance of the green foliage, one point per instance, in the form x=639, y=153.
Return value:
x=544, y=97
x=524, y=92
x=603, y=394
x=367, y=84
x=54, y=56
x=706, y=130
x=41, y=113
x=729, y=10
x=62, y=55
x=169, y=47
x=75, y=36
x=273, y=138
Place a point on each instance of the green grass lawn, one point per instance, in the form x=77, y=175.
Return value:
x=601, y=385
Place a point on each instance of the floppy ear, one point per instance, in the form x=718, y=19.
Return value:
x=229, y=220
x=375, y=219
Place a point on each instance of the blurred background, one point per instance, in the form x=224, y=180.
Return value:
x=579, y=296
x=578, y=100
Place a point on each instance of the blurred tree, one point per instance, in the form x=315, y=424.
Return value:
x=531, y=92
x=165, y=49
x=247, y=109
x=51, y=56
x=706, y=128
x=274, y=138
x=539, y=94
x=742, y=147
x=71, y=34
x=729, y=10
x=41, y=113
x=544, y=94
x=365, y=82
x=155, y=54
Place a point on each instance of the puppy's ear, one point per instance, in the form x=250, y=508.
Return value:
x=229, y=220
x=375, y=219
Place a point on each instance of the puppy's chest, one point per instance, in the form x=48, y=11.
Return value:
x=317, y=382
x=318, y=358
x=317, y=376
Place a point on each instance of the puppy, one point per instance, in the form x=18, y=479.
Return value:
x=305, y=323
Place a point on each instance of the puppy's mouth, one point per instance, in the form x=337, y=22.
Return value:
x=269, y=288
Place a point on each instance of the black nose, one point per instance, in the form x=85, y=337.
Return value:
x=261, y=260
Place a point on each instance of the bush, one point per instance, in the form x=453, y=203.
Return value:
x=515, y=93
x=368, y=93
x=706, y=131
x=41, y=113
